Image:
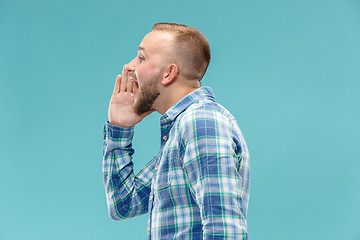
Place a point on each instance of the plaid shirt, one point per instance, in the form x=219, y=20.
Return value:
x=197, y=187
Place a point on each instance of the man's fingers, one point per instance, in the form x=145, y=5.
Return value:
x=125, y=84
x=130, y=84
x=117, y=84
x=124, y=80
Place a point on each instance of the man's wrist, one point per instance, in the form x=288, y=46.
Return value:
x=118, y=124
x=118, y=135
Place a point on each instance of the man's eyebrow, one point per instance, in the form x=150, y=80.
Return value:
x=141, y=49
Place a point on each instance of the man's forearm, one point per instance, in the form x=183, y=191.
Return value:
x=122, y=187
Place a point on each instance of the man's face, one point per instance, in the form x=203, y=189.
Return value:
x=149, y=65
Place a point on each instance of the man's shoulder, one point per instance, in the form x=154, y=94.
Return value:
x=208, y=108
x=205, y=110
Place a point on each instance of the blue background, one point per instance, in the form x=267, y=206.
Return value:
x=288, y=71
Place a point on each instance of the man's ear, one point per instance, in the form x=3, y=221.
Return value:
x=170, y=74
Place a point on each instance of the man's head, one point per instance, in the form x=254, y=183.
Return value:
x=170, y=53
x=189, y=49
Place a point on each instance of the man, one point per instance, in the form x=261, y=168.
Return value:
x=197, y=187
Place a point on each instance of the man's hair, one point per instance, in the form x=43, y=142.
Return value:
x=191, y=48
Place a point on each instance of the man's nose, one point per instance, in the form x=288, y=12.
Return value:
x=132, y=62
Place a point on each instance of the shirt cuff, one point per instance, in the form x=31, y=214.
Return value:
x=114, y=135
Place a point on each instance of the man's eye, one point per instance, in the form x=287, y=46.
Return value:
x=141, y=59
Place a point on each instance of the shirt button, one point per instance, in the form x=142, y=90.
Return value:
x=165, y=138
x=148, y=229
x=151, y=197
x=156, y=167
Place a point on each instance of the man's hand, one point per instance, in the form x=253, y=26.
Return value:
x=121, y=111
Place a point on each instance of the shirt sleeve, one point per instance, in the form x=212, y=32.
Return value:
x=213, y=161
x=127, y=195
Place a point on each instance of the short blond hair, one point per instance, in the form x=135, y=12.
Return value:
x=191, y=49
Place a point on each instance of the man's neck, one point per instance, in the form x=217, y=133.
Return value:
x=173, y=94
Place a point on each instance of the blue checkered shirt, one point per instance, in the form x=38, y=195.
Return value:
x=197, y=187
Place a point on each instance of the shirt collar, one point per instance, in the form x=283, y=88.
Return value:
x=193, y=97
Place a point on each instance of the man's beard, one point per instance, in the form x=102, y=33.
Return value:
x=148, y=94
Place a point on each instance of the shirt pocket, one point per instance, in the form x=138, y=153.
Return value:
x=163, y=180
x=163, y=192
